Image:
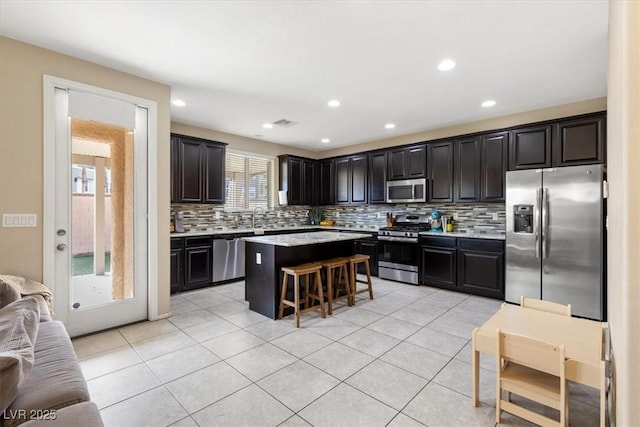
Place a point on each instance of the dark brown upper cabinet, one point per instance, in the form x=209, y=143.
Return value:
x=530, y=147
x=407, y=162
x=351, y=179
x=579, y=142
x=198, y=169
x=467, y=170
x=297, y=178
x=440, y=168
x=493, y=166
x=377, y=177
x=326, y=188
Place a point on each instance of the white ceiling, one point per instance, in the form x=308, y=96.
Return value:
x=239, y=64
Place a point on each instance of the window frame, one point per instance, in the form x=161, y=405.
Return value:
x=271, y=181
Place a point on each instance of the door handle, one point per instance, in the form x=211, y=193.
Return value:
x=545, y=223
x=536, y=220
x=61, y=247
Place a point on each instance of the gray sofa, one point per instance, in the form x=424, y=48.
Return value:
x=42, y=383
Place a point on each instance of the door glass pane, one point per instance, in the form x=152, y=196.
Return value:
x=101, y=213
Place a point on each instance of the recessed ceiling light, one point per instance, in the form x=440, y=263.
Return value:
x=267, y=125
x=179, y=103
x=325, y=140
x=488, y=103
x=334, y=103
x=446, y=65
x=389, y=126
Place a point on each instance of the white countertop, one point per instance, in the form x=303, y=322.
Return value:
x=301, y=239
x=214, y=232
x=492, y=236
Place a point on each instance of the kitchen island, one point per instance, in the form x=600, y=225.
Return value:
x=266, y=255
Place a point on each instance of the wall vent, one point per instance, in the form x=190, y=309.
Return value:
x=285, y=123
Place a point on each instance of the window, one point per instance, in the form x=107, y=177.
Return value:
x=247, y=182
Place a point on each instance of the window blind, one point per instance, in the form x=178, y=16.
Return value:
x=247, y=182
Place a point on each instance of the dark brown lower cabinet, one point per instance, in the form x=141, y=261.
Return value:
x=368, y=247
x=481, y=267
x=438, y=266
x=474, y=266
x=177, y=265
x=198, y=254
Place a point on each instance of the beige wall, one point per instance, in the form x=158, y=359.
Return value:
x=241, y=143
x=566, y=110
x=21, y=149
x=623, y=158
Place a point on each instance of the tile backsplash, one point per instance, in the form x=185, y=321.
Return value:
x=470, y=217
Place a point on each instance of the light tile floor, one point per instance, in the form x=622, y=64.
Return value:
x=403, y=359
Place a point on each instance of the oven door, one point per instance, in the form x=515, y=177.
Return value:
x=398, y=261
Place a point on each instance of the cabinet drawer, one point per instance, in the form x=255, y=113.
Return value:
x=485, y=245
x=177, y=242
x=449, y=242
x=197, y=241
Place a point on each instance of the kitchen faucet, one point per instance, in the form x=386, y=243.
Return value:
x=253, y=217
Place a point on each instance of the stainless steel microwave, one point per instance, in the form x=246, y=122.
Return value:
x=407, y=191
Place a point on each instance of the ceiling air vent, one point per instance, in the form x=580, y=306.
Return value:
x=285, y=123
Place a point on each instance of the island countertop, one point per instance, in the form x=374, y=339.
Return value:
x=302, y=239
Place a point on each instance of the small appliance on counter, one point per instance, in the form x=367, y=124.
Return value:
x=436, y=220
x=178, y=222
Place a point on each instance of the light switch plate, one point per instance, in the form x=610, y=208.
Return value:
x=19, y=220
x=495, y=216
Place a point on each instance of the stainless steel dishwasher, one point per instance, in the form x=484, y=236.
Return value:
x=228, y=259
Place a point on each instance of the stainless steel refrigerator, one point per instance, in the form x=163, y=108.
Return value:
x=555, y=237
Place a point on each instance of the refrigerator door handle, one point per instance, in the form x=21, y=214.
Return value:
x=545, y=223
x=536, y=220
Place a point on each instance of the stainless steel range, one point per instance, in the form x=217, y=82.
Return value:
x=398, y=248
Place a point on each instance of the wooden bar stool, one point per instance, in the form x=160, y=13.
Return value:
x=311, y=271
x=354, y=261
x=339, y=266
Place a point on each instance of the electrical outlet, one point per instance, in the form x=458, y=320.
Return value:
x=377, y=214
x=495, y=216
x=258, y=258
x=455, y=215
x=337, y=214
x=278, y=214
x=217, y=214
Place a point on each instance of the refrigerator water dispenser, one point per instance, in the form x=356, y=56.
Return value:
x=523, y=219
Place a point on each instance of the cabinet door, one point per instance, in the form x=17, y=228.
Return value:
x=197, y=266
x=190, y=180
x=308, y=173
x=530, y=148
x=295, y=181
x=214, y=173
x=327, y=183
x=494, y=167
x=467, y=167
x=416, y=161
x=377, y=177
x=579, y=142
x=342, y=180
x=359, y=179
x=370, y=248
x=481, y=273
x=175, y=168
x=396, y=163
x=438, y=266
x=177, y=271
x=440, y=168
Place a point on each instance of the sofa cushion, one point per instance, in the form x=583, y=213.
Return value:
x=56, y=380
x=85, y=414
x=8, y=294
x=18, y=329
x=45, y=314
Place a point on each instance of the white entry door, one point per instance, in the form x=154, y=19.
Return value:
x=96, y=207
